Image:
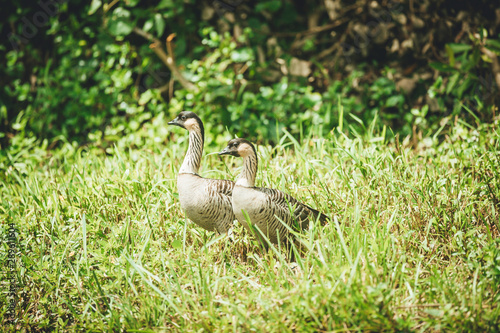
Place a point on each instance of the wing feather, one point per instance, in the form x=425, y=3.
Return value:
x=280, y=204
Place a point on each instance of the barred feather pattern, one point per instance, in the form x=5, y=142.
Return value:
x=269, y=209
x=206, y=202
x=301, y=212
x=192, y=160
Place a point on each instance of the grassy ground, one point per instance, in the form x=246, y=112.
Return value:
x=413, y=246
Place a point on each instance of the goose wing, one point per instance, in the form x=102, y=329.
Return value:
x=218, y=204
x=280, y=203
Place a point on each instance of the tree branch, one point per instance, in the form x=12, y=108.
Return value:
x=315, y=30
x=167, y=59
x=311, y=31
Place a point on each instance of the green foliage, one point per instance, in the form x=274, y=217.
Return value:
x=379, y=99
x=491, y=262
x=94, y=85
x=467, y=81
x=84, y=75
x=237, y=102
x=86, y=86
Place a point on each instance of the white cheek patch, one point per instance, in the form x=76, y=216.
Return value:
x=244, y=150
x=190, y=124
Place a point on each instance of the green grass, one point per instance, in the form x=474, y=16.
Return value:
x=413, y=246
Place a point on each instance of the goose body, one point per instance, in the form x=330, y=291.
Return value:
x=206, y=202
x=267, y=209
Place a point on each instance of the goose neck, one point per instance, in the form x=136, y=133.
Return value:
x=192, y=160
x=247, y=176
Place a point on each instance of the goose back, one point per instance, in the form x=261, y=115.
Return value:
x=270, y=209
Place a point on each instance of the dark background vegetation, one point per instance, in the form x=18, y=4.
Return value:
x=94, y=71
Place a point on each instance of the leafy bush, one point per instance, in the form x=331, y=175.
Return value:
x=467, y=80
x=84, y=73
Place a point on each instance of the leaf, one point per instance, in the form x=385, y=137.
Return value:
x=119, y=24
x=148, y=25
x=120, y=28
x=452, y=82
x=458, y=48
x=166, y=4
x=486, y=59
x=271, y=6
x=451, y=55
x=442, y=67
x=242, y=55
x=464, y=86
x=177, y=244
x=394, y=101
x=493, y=45
x=94, y=6
x=308, y=45
x=145, y=97
x=493, y=42
x=131, y=3
x=121, y=13
x=310, y=100
x=159, y=24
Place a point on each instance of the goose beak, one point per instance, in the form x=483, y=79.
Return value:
x=174, y=122
x=225, y=151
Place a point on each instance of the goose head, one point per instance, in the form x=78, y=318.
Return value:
x=187, y=120
x=239, y=148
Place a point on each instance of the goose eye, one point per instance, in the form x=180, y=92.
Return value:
x=183, y=117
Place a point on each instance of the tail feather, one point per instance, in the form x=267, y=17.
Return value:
x=324, y=219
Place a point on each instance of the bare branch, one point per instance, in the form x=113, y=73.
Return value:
x=311, y=31
x=167, y=59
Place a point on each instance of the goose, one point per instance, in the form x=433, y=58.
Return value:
x=205, y=201
x=265, y=207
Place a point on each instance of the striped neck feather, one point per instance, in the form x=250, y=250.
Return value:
x=192, y=160
x=247, y=176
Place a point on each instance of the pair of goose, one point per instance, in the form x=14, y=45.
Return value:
x=213, y=204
